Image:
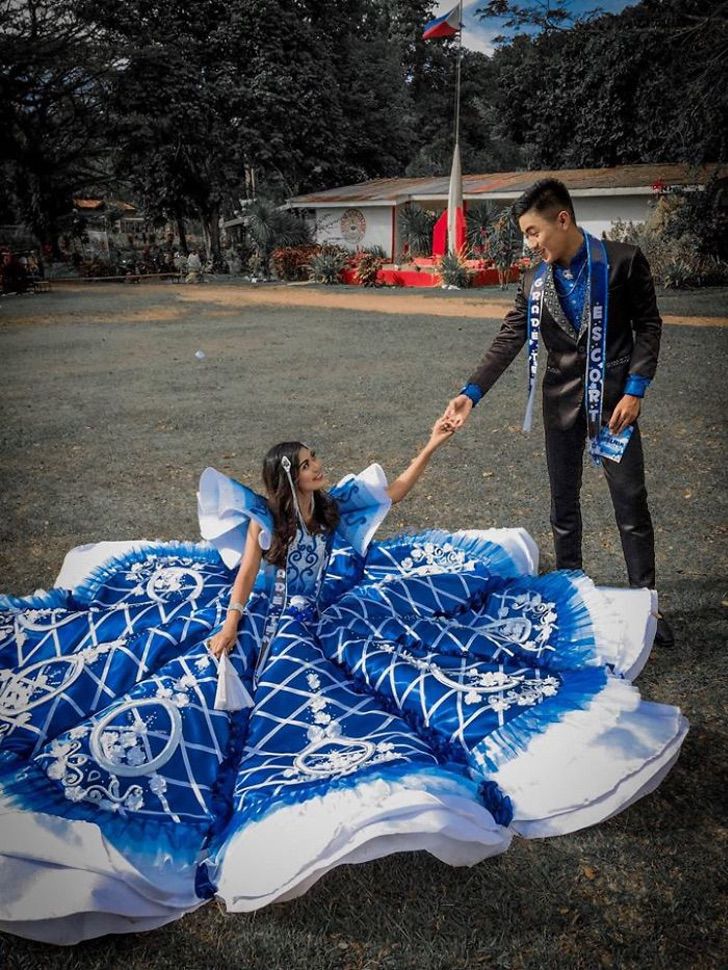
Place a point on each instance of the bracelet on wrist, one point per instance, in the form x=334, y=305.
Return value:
x=236, y=608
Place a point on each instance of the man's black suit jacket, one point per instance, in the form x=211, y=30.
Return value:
x=633, y=340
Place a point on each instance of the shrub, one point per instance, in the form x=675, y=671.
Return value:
x=95, y=268
x=453, y=271
x=684, y=237
x=292, y=263
x=626, y=231
x=665, y=255
x=677, y=274
x=681, y=273
x=701, y=214
x=715, y=271
x=366, y=267
x=327, y=264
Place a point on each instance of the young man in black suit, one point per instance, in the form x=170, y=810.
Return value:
x=563, y=302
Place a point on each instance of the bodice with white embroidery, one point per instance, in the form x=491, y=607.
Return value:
x=305, y=563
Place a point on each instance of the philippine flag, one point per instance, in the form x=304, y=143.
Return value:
x=443, y=27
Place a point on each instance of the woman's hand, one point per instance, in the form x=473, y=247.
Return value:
x=441, y=431
x=223, y=641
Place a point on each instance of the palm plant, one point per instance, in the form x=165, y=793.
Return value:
x=479, y=220
x=269, y=228
x=505, y=242
x=415, y=227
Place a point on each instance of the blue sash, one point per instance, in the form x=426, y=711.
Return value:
x=598, y=269
x=598, y=296
x=278, y=599
x=535, y=307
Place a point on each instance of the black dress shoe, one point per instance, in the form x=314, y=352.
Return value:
x=664, y=637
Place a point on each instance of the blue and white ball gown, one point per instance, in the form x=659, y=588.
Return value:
x=424, y=692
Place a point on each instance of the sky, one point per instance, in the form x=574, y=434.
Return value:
x=478, y=34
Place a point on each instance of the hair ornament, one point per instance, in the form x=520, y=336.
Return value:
x=286, y=465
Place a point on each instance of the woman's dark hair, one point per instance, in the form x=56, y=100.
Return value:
x=280, y=500
x=548, y=197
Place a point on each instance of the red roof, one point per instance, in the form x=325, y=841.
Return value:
x=579, y=181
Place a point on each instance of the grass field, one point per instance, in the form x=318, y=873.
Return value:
x=108, y=418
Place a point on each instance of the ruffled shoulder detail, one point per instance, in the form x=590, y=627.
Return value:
x=363, y=503
x=225, y=508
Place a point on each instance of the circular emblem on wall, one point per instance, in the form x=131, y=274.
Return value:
x=353, y=225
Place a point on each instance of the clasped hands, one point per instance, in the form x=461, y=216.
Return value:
x=625, y=413
x=453, y=418
x=458, y=411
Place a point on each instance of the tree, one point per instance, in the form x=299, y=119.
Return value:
x=55, y=76
x=174, y=106
x=483, y=147
x=545, y=15
x=212, y=92
x=640, y=86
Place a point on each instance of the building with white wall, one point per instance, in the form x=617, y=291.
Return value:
x=365, y=215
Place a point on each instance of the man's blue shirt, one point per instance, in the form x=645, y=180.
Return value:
x=572, y=287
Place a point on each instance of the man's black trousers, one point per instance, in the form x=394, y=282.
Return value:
x=626, y=480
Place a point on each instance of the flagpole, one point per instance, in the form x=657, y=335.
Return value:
x=455, y=191
x=458, y=73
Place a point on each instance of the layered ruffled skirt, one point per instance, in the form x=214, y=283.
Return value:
x=440, y=697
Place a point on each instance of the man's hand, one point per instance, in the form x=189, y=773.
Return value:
x=458, y=411
x=626, y=412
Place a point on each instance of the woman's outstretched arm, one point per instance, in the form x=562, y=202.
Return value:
x=224, y=639
x=401, y=486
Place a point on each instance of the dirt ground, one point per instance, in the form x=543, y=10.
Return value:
x=108, y=417
x=475, y=304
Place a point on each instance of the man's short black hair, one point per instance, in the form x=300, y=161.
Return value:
x=548, y=197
